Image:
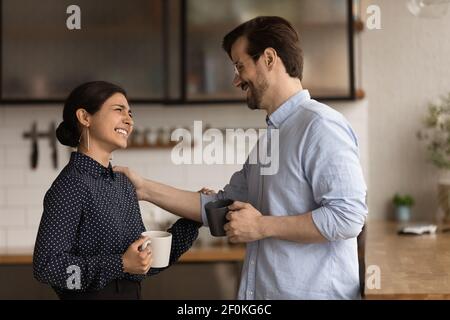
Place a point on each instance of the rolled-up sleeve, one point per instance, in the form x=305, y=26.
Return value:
x=332, y=167
x=236, y=189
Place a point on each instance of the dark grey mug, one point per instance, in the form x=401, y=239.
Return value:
x=216, y=212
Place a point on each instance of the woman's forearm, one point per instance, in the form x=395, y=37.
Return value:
x=182, y=203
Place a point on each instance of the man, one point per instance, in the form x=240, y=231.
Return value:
x=300, y=224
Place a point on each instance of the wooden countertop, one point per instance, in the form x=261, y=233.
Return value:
x=232, y=253
x=411, y=267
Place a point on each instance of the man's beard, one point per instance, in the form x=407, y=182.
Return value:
x=256, y=93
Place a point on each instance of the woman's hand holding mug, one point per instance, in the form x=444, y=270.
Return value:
x=136, y=261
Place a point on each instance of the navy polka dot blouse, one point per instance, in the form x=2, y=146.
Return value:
x=91, y=216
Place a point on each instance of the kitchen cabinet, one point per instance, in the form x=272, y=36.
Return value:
x=326, y=34
x=161, y=51
x=119, y=41
x=183, y=281
x=210, y=272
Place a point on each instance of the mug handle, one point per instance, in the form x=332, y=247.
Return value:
x=145, y=245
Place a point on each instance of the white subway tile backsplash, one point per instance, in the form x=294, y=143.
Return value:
x=33, y=215
x=40, y=177
x=195, y=176
x=159, y=157
x=2, y=197
x=12, y=217
x=63, y=155
x=22, y=190
x=2, y=240
x=170, y=174
x=131, y=157
x=18, y=157
x=13, y=136
x=21, y=238
x=207, y=175
x=12, y=177
x=43, y=116
x=25, y=196
x=2, y=116
x=2, y=156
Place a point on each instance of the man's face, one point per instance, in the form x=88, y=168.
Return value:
x=249, y=75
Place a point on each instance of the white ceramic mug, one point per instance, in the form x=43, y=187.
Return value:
x=161, y=244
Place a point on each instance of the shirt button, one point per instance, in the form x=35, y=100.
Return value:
x=250, y=293
x=252, y=262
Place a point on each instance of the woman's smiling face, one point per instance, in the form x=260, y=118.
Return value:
x=112, y=125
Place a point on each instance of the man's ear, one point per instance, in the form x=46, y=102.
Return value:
x=83, y=117
x=270, y=57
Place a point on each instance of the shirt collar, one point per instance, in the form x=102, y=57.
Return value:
x=89, y=165
x=287, y=108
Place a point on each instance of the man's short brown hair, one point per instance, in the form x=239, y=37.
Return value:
x=270, y=32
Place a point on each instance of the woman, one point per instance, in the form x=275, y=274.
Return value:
x=88, y=244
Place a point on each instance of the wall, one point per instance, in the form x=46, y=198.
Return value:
x=405, y=65
x=22, y=190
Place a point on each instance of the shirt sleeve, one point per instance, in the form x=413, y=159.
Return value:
x=184, y=233
x=236, y=189
x=332, y=167
x=55, y=260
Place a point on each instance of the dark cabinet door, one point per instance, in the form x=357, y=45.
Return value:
x=119, y=41
x=325, y=28
x=160, y=50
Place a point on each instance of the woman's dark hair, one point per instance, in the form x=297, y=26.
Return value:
x=89, y=96
x=270, y=32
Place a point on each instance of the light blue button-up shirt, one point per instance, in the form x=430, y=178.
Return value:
x=319, y=171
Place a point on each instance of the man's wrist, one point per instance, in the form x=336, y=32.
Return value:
x=266, y=229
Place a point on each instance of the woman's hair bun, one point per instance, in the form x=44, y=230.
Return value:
x=66, y=135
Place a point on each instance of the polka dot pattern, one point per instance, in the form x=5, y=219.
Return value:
x=91, y=216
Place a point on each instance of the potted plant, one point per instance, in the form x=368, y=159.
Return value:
x=403, y=204
x=436, y=136
x=436, y=133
